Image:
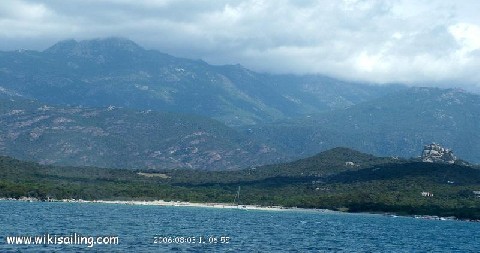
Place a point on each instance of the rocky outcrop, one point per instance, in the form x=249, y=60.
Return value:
x=434, y=153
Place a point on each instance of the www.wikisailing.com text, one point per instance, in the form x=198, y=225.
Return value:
x=73, y=239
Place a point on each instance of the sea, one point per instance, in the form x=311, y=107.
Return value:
x=68, y=227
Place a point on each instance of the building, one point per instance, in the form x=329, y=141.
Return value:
x=427, y=194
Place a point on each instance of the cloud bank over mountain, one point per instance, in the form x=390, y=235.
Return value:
x=429, y=43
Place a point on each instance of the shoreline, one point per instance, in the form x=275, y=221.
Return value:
x=229, y=206
x=171, y=203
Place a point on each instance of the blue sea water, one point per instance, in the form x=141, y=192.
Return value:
x=247, y=231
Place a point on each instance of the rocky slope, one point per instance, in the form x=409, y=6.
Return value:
x=399, y=124
x=120, y=138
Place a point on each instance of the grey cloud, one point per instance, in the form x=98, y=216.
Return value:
x=416, y=42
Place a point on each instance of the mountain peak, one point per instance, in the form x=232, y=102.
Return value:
x=88, y=48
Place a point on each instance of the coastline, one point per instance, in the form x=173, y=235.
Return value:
x=228, y=206
x=171, y=203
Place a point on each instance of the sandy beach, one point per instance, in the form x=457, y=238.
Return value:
x=170, y=203
x=190, y=204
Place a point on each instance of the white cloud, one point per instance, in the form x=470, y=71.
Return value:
x=467, y=36
x=418, y=42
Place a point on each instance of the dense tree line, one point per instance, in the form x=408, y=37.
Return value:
x=319, y=182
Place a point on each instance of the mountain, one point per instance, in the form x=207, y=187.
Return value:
x=122, y=138
x=295, y=115
x=398, y=124
x=118, y=72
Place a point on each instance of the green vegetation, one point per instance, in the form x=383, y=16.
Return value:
x=339, y=179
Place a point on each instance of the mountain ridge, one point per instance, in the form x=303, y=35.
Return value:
x=394, y=125
x=115, y=71
x=80, y=48
x=294, y=115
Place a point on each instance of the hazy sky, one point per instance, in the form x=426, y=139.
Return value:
x=432, y=43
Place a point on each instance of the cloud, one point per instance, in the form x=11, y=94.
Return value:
x=415, y=42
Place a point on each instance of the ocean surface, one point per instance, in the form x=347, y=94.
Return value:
x=194, y=229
